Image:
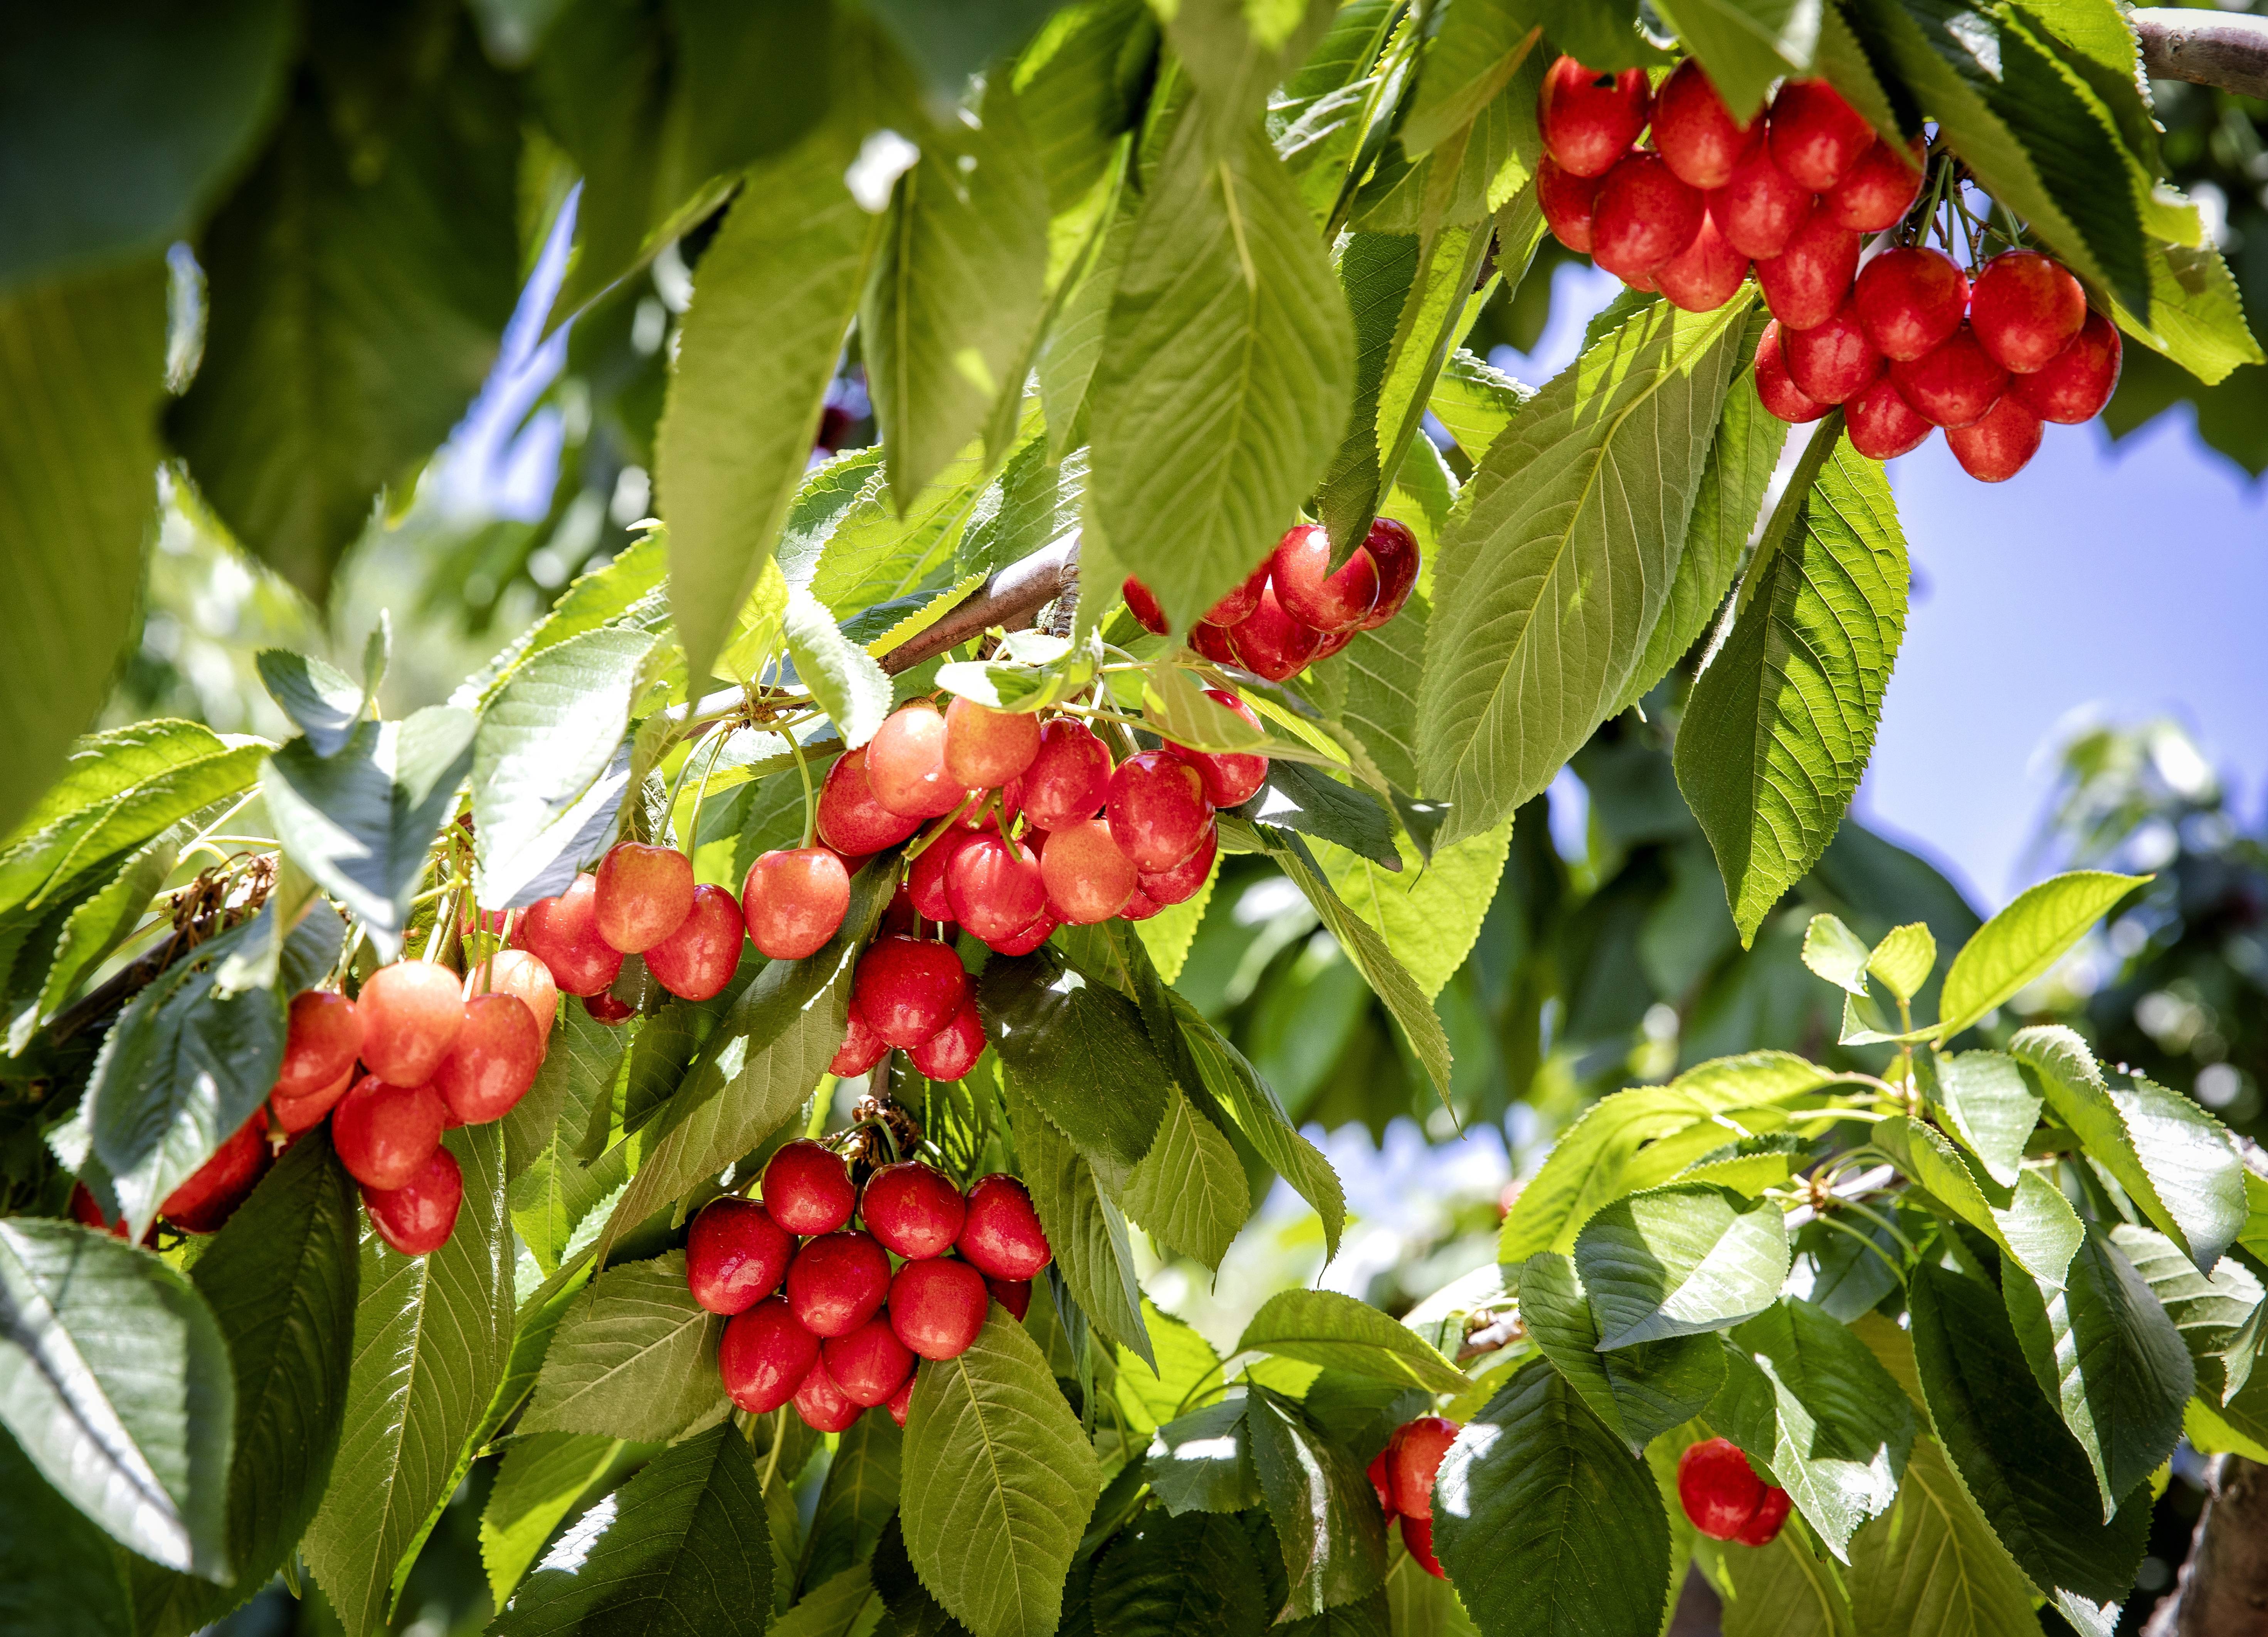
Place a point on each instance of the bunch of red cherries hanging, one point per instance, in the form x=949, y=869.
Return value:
x=821, y=1316
x=1905, y=345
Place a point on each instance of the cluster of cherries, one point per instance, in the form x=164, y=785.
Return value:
x=1292, y=610
x=842, y=1334
x=1403, y=1474
x=1904, y=345
x=1724, y=1498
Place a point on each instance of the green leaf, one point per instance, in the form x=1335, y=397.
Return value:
x=843, y=678
x=1058, y=1043
x=97, y=926
x=1991, y=1105
x=432, y=1334
x=2197, y=315
x=1187, y=1373
x=1680, y=1261
x=1323, y=1328
x=1225, y=376
x=1780, y=727
x=998, y=1483
x=581, y=1061
x=2213, y=1315
x=2023, y=942
x=1188, y=1190
x=1933, y=1564
x=1547, y=1525
x=1202, y=1462
x=681, y=1546
x=2033, y=1222
x=1904, y=959
x=538, y=1482
x=82, y=373
x=323, y=702
x=1199, y=1574
x=844, y=1606
x=1639, y=1392
x=1785, y=1590
x=1429, y=911
x=1379, y=701
x=117, y=1386
x=860, y=1493
x=1326, y=1517
x=1747, y=44
x=1083, y=1228
x=1480, y=47
x=60, y=1575
x=1476, y=401
x=1836, y=953
x=634, y=1358
x=1557, y=562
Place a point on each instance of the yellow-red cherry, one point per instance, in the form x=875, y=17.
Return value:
x=493, y=1062
x=563, y=933
x=320, y=1043
x=642, y=895
x=695, y=961
x=410, y=1014
x=419, y=1216
x=385, y=1133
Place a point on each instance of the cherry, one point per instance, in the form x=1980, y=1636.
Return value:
x=1183, y=882
x=1141, y=603
x=695, y=961
x=1645, y=217
x=1695, y=132
x=837, y=1282
x=1877, y=190
x=1158, y=811
x=1718, y=1488
x=951, y=1052
x=905, y=763
x=563, y=933
x=410, y=1015
x=1212, y=642
x=1029, y=939
x=985, y=749
x=1780, y=395
x=823, y=1405
x=1002, y=1236
x=850, y=819
x=937, y=1307
x=384, y=1131
x=1380, y=1482
x=214, y=1189
x=1269, y=643
x=611, y=1010
x=995, y=886
x=2075, y=384
x=1570, y=203
x=517, y=972
x=1807, y=283
x=1706, y=273
x=735, y=1255
x=795, y=899
x=1069, y=776
x=1763, y=1528
x=298, y=1113
x=642, y=896
x=421, y=1214
x=1883, y=425
x=1240, y=602
x=1300, y=572
x=1761, y=207
x=1230, y=777
x=914, y=1209
x=1395, y=550
x=1834, y=362
x=493, y=1062
x=2025, y=308
x=1588, y=119
x=1953, y=384
x=861, y=1049
x=1417, y=1541
x=870, y=1364
x=1996, y=446
x=1911, y=301
x=807, y=1188
x=764, y=1356
x=926, y=878
x=901, y=1400
x=320, y=1043
x=1816, y=136
x=1015, y=1294
x=1088, y=878
x=1413, y=1456
x=88, y=1214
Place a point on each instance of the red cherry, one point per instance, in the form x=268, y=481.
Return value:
x=905, y=763
x=1588, y=119
x=421, y=1214
x=901, y=1400
x=1911, y=301
x=1570, y=203
x=563, y=933
x=298, y=1113
x=1300, y=572
x=411, y=1012
x=1230, y=777
x=517, y=972
x=2075, y=384
x=984, y=749
x=861, y=1049
x=823, y=1405
x=1240, y=601
x=995, y=886
x=88, y=1214
x=319, y=1044
x=1695, y=132
x=951, y=1052
x=1995, y=448
x=914, y=1209
x=1029, y=939
x=1883, y=425
x=937, y=1307
x=869, y=1365
x=807, y=1188
x=1088, y=878
x=1706, y=275
x=1759, y=210
x=1878, y=189
x=794, y=900
x=1645, y=217
x=1157, y=810
x=1412, y=1458
x=1269, y=643
x=908, y=988
x=1182, y=883
x=1953, y=384
x=1816, y=136
x=926, y=878
x=1718, y=1488
x=1015, y=1294
x=211, y=1192
x=2025, y=308
x=1780, y=395
x=698, y=960
x=1069, y=776
x=1807, y=283
x=1380, y=1482
x=1417, y=1541
x=1834, y=362
x=837, y=1282
x=1212, y=642
x=1395, y=550
x=1002, y=1234
x=385, y=1133
x=852, y=819
x=764, y=1356
x=611, y=1010
x=1143, y=605
x=494, y=1061
x=642, y=896
x=1763, y=1528
x=735, y=1255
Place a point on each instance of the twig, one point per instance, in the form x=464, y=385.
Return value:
x=1009, y=599
x=2223, y=50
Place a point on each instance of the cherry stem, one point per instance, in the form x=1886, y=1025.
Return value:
x=810, y=804
x=944, y=825
x=693, y=819
x=1868, y=1241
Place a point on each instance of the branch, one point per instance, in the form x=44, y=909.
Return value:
x=2223, y=50
x=1009, y=599
x=2224, y=1586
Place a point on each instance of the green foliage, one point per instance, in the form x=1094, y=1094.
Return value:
x=634, y=1358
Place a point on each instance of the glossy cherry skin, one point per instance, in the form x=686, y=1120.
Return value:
x=1816, y=136
x=1759, y=210
x=1645, y=215
x=1241, y=600
x=1157, y=809
x=837, y=1282
x=1412, y=1458
x=385, y=1133
x=1015, y=1294
x=2025, y=308
x=764, y=1356
x=1996, y=447
x=643, y=895
x=1186, y=879
x=1395, y=550
x=1380, y=1480
x=517, y=972
x=996, y=886
x=612, y=1010
x=1001, y=1235
x=698, y=960
x=914, y=1209
x=735, y=1255
x=1718, y=1488
x=984, y=749
x=1570, y=203
x=563, y=933
x=1311, y=593
x=1588, y=119
x=321, y=1044
x=1807, y=283
x=1027, y=941
x=209, y=1195
x=298, y=1113
x=1911, y=301
x=2075, y=384
x=937, y=1307
x=870, y=1364
x=1212, y=642
x=1877, y=191
x=908, y=988
x=1694, y=131
x=494, y=1061
x=1230, y=777
x=1089, y=879
x=861, y=1049
x=1068, y=777
x=902, y=1400
x=411, y=1012
x=1952, y=385
x=1883, y=425
x=1143, y=605
x=420, y=1215
x=1269, y=643
x=794, y=900
x=1834, y=362
x=1763, y=1528
x=905, y=763
x=951, y=1052
x=1706, y=275
x=807, y=1188
x=1781, y=396
x=851, y=820
x=1417, y=1541
x=823, y=1405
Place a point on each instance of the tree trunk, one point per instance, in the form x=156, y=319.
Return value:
x=2222, y=1590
